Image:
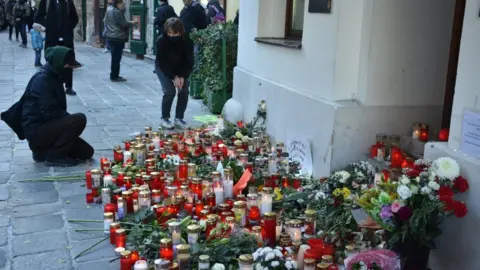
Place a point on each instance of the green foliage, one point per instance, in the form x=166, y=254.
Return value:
x=208, y=65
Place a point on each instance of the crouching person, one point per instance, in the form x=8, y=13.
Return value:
x=41, y=116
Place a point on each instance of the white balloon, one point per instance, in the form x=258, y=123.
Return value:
x=233, y=111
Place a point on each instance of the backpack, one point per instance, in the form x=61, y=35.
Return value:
x=219, y=16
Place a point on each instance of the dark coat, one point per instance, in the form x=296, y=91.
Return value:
x=43, y=100
x=193, y=16
x=164, y=12
x=174, y=58
x=58, y=26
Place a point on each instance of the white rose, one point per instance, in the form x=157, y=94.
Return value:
x=404, y=192
x=433, y=185
x=239, y=135
x=425, y=190
x=258, y=267
x=245, y=139
x=275, y=264
x=417, y=179
x=405, y=180
x=414, y=189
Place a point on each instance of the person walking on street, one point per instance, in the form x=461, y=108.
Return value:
x=215, y=12
x=193, y=16
x=164, y=12
x=116, y=32
x=59, y=18
x=41, y=116
x=21, y=13
x=11, y=19
x=107, y=46
x=173, y=65
x=37, y=42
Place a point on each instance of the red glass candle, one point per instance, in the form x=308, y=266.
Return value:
x=297, y=183
x=89, y=198
x=134, y=257
x=396, y=157
x=128, y=182
x=198, y=208
x=88, y=179
x=230, y=202
x=328, y=249
x=254, y=216
x=127, y=146
x=166, y=249
x=443, y=135
x=316, y=244
x=120, y=237
x=118, y=155
x=285, y=182
x=270, y=224
x=267, y=180
x=275, y=179
x=423, y=133
x=125, y=260
x=210, y=200
x=408, y=163
x=120, y=179
x=128, y=199
x=109, y=207
x=310, y=254
x=113, y=231
x=386, y=175
x=377, y=151
x=211, y=224
x=188, y=207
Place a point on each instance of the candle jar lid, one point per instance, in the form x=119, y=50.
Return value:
x=146, y=178
x=246, y=259
x=127, y=178
x=126, y=254
x=240, y=204
x=166, y=242
x=309, y=262
x=95, y=171
x=144, y=194
x=162, y=264
x=172, y=188
x=204, y=212
x=227, y=170
x=216, y=174
x=381, y=137
x=196, y=180
x=115, y=225
x=213, y=216
x=424, y=126
x=127, y=193
x=183, y=249
x=108, y=215
x=148, y=128
x=154, y=174
x=256, y=229
x=121, y=173
x=284, y=235
x=252, y=196
x=174, y=225
x=267, y=190
x=211, y=221
x=270, y=215
x=240, y=197
x=120, y=200
x=139, y=146
x=310, y=213
x=174, y=266
x=323, y=266
x=204, y=259
x=194, y=228
x=327, y=259
x=296, y=223
x=120, y=231
x=230, y=219
x=224, y=206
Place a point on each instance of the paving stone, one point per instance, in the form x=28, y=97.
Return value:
x=3, y=205
x=39, y=242
x=3, y=236
x=4, y=221
x=53, y=260
x=70, y=189
x=4, y=192
x=3, y=258
x=29, y=168
x=36, y=209
x=31, y=187
x=103, y=251
x=40, y=197
x=103, y=264
x=4, y=166
x=36, y=224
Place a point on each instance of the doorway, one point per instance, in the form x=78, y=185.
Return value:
x=453, y=62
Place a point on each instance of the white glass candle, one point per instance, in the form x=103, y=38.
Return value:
x=136, y=206
x=176, y=232
x=219, y=196
x=278, y=230
x=107, y=180
x=140, y=265
x=127, y=155
x=203, y=262
x=272, y=163
x=144, y=200
x=296, y=230
x=228, y=188
x=267, y=200
x=156, y=142
x=107, y=220
x=301, y=255
x=252, y=200
x=121, y=208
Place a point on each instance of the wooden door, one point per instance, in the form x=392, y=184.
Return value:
x=453, y=62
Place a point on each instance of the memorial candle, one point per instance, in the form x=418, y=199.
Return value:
x=218, y=190
x=267, y=200
x=166, y=249
x=245, y=262
x=120, y=238
x=183, y=169
x=113, y=230
x=125, y=262
x=107, y=220
x=175, y=230
x=140, y=265
x=270, y=228
x=88, y=179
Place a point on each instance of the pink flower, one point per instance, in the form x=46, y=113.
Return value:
x=396, y=206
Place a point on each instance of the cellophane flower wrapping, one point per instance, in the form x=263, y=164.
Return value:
x=384, y=258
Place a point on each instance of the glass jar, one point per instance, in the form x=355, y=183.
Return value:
x=396, y=156
x=424, y=133
x=144, y=200
x=196, y=187
x=309, y=264
x=310, y=222
x=125, y=262
x=240, y=211
x=243, y=159
x=416, y=131
x=120, y=237
x=107, y=220
x=245, y=262
x=175, y=230
x=140, y=153
x=270, y=224
x=174, y=266
x=211, y=224
x=272, y=163
x=121, y=208
x=113, y=230
x=192, y=170
x=218, y=191
x=257, y=232
x=252, y=200
x=156, y=196
x=193, y=232
x=166, y=249
x=128, y=199
x=322, y=266
x=230, y=222
x=172, y=192
x=285, y=162
x=378, y=149
x=161, y=264
x=296, y=230
x=204, y=262
x=183, y=169
x=140, y=265
x=267, y=200
x=183, y=257
x=96, y=178
x=254, y=216
x=210, y=199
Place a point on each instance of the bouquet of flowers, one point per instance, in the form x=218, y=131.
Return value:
x=272, y=259
x=412, y=207
x=356, y=176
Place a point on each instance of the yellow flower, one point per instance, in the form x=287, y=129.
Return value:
x=346, y=193
x=337, y=192
x=278, y=194
x=239, y=135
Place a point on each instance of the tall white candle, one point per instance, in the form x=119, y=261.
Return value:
x=156, y=142
x=127, y=155
x=267, y=202
x=107, y=180
x=228, y=188
x=176, y=233
x=219, y=196
x=301, y=256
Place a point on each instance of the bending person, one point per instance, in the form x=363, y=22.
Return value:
x=41, y=114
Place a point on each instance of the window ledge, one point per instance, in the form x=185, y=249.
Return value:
x=283, y=42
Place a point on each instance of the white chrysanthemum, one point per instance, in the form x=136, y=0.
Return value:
x=267, y=249
x=446, y=168
x=404, y=192
x=245, y=139
x=238, y=142
x=270, y=256
x=342, y=176
x=258, y=267
x=425, y=190
x=275, y=264
x=404, y=180
x=289, y=250
x=278, y=253
x=218, y=266
x=255, y=256
x=433, y=185
x=320, y=195
x=417, y=179
x=432, y=176
x=294, y=265
x=414, y=189
x=289, y=265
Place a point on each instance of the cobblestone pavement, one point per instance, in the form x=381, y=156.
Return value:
x=34, y=232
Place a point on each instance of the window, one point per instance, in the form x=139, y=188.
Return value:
x=294, y=19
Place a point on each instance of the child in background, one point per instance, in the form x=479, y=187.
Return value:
x=37, y=42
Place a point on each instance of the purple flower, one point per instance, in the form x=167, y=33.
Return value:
x=405, y=213
x=386, y=212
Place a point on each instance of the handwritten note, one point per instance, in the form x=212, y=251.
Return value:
x=470, y=142
x=299, y=150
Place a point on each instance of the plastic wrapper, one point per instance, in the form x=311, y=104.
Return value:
x=384, y=258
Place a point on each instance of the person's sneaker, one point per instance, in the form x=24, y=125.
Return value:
x=61, y=162
x=106, y=51
x=69, y=91
x=38, y=66
x=38, y=157
x=23, y=46
x=166, y=123
x=77, y=64
x=179, y=123
x=119, y=79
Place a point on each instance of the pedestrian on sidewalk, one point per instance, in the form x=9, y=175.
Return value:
x=164, y=12
x=11, y=19
x=215, y=12
x=116, y=31
x=41, y=116
x=173, y=65
x=59, y=18
x=107, y=45
x=37, y=42
x=21, y=13
x=193, y=15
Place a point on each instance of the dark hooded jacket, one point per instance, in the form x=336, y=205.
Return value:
x=44, y=98
x=59, y=18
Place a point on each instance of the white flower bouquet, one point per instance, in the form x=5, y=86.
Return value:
x=272, y=259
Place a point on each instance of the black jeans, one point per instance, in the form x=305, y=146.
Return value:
x=60, y=138
x=116, y=49
x=23, y=31
x=169, y=93
x=10, y=30
x=38, y=56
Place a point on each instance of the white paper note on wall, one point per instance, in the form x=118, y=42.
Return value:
x=470, y=142
x=299, y=150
